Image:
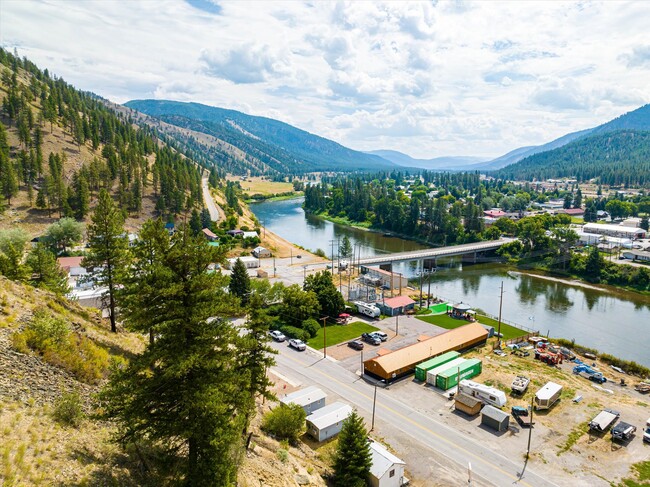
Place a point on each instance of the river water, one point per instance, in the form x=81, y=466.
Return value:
x=617, y=323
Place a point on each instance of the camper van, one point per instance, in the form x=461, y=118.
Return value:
x=368, y=309
x=485, y=394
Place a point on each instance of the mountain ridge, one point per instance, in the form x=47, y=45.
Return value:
x=435, y=163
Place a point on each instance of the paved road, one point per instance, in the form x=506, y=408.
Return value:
x=488, y=466
x=209, y=201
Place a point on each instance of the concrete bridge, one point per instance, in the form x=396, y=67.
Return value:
x=471, y=249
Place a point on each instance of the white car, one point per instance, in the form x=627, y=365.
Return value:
x=297, y=344
x=277, y=335
x=381, y=335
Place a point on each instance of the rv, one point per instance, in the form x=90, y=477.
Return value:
x=485, y=394
x=368, y=309
x=548, y=395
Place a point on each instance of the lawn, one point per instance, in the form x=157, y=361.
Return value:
x=340, y=333
x=261, y=186
x=449, y=323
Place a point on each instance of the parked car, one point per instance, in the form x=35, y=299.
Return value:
x=371, y=339
x=297, y=344
x=277, y=335
x=381, y=335
x=356, y=344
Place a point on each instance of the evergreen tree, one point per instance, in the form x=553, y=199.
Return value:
x=346, y=247
x=45, y=270
x=8, y=179
x=12, y=249
x=195, y=222
x=352, y=460
x=240, y=282
x=206, y=221
x=594, y=264
x=186, y=392
x=108, y=250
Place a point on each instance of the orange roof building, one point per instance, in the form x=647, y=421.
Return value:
x=403, y=361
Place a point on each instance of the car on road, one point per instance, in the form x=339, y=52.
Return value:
x=356, y=344
x=297, y=344
x=371, y=339
x=381, y=335
x=277, y=335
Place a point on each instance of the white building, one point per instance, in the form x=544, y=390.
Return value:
x=386, y=470
x=614, y=230
x=260, y=252
x=327, y=422
x=249, y=262
x=250, y=235
x=595, y=239
x=310, y=399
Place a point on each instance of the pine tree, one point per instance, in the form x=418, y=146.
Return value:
x=46, y=272
x=352, y=460
x=206, y=221
x=346, y=247
x=8, y=179
x=108, y=252
x=195, y=222
x=594, y=264
x=240, y=282
x=186, y=392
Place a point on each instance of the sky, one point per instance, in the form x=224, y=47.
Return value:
x=428, y=79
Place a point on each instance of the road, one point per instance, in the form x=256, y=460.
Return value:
x=394, y=418
x=209, y=201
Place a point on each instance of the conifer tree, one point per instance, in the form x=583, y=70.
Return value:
x=8, y=179
x=346, y=247
x=352, y=460
x=186, y=392
x=109, y=253
x=240, y=282
x=45, y=270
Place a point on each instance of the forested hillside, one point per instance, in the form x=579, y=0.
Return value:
x=614, y=158
x=268, y=146
x=59, y=146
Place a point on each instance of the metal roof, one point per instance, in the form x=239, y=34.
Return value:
x=398, y=301
x=382, y=460
x=494, y=413
x=329, y=415
x=548, y=391
x=305, y=396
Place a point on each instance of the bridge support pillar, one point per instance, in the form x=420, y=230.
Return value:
x=386, y=267
x=429, y=264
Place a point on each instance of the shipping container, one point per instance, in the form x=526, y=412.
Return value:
x=450, y=377
x=433, y=373
x=422, y=369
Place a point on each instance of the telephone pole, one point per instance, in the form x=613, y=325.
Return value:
x=324, y=336
x=530, y=430
x=499, y=326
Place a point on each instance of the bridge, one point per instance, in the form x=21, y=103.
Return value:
x=435, y=253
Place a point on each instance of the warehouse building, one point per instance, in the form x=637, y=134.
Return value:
x=401, y=362
x=621, y=231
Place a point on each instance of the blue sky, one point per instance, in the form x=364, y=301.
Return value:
x=426, y=78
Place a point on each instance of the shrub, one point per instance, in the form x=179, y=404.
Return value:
x=320, y=253
x=53, y=339
x=285, y=422
x=293, y=332
x=68, y=409
x=311, y=326
x=283, y=455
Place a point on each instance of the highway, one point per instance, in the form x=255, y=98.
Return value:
x=488, y=466
x=209, y=201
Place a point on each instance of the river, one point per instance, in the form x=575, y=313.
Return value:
x=615, y=323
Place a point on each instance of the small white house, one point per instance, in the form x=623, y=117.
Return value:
x=386, y=470
x=260, y=252
x=310, y=399
x=250, y=235
x=327, y=422
x=249, y=261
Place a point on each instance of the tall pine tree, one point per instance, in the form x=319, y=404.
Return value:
x=352, y=460
x=240, y=282
x=109, y=251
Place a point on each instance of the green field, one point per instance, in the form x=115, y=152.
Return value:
x=340, y=333
x=449, y=323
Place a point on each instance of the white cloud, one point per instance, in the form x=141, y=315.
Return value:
x=427, y=78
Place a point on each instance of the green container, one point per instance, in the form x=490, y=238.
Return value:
x=422, y=368
x=449, y=378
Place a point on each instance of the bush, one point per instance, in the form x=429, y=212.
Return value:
x=311, y=326
x=293, y=332
x=53, y=339
x=68, y=409
x=320, y=253
x=285, y=422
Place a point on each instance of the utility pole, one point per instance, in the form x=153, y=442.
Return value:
x=421, y=272
x=304, y=274
x=396, y=324
x=374, y=402
x=324, y=336
x=429, y=290
x=291, y=250
x=530, y=430
x=499, y=326
x=274, y=267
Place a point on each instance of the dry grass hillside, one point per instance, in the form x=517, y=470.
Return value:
x=37, y=449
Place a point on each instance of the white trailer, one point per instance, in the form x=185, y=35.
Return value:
x=432, y=374
x=368, y=309
x=547, y=395
x=604, y=420
x=485, y=394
